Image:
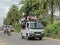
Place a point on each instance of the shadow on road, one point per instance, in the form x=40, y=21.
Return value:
x=36, y=39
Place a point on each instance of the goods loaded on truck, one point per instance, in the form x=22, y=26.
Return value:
x=31, y=28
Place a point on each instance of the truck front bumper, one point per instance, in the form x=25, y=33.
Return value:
x=36, y=35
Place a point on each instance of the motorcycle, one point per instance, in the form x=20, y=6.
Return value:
x=4, y=31
x=9, y=32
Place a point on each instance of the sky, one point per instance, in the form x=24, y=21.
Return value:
x=4, y=8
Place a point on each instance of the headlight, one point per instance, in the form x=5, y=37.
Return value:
x=42, y=32
x=31, y=33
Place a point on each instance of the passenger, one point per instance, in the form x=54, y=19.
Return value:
x=5, y=29
x=23, y=25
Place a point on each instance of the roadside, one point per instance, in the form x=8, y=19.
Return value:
x=51, y=38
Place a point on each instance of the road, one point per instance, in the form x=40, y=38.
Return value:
x=15, y=39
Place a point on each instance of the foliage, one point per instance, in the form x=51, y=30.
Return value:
x=52, y=5
x=13, y=15
x=5, y=21
x=34, y=7
x=53, y=30
x=30, y=7
x=17, y=28
x=41, y=7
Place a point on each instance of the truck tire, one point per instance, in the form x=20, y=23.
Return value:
x=40, y=38
x=28, y=38
x=22, y=37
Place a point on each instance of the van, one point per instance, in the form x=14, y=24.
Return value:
x=32, y=30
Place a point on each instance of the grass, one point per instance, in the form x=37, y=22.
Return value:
x=53, y=30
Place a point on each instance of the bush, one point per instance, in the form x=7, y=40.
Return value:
x=17, y=28
x=53, y=30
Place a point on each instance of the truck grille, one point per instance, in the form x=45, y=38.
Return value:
x=37, y=32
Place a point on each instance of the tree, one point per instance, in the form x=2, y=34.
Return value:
x=5, y=22
x=30, y=7
x=40, y=8
x=52, y=4
x=13, y=15
x=34, y=7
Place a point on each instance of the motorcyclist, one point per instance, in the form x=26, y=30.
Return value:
x=5, y=29
x=8, y=31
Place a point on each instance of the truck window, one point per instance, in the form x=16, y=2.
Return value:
x=36, y=26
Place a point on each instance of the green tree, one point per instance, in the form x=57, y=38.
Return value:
x=5, y=22
x=51, y=5
x=34, y=7
x=13, y=15
x=40, y=8
x=30, y=7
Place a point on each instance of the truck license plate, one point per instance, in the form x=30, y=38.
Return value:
x=37, y=34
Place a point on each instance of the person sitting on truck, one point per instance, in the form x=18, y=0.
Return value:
x=23, y=25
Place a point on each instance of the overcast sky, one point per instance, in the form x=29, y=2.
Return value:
x=4, y=7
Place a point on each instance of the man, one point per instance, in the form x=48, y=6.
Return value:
x=8, y=30
x=5, y=29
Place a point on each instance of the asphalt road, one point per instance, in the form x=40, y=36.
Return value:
x=15, y=39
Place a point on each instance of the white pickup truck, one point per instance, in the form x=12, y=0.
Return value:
x=32, y=30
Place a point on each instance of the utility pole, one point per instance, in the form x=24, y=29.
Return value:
x=52, y=16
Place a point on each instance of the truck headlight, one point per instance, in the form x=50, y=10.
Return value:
x=31, y=33
x=42, y=32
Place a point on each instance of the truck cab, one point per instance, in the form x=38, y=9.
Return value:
x=32, y=30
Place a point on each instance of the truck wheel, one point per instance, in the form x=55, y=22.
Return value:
x=40, y=38
x=28, y=38
x=32, y=38
x=22, y=37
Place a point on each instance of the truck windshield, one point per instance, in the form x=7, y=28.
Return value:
x=36, y=25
